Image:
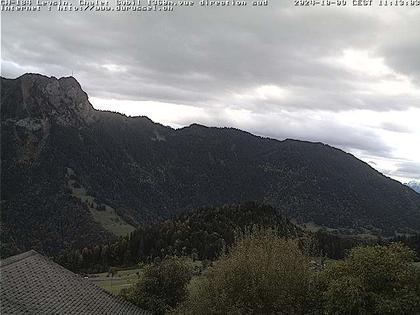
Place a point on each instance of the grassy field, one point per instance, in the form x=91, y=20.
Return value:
x=128, y=277
x=123, y=279
x=108, y=217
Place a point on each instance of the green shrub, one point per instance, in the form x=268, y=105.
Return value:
x=262, y=274
x=372, y=280
x=162, y=287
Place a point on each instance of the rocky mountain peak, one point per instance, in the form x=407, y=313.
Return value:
x=34, y=96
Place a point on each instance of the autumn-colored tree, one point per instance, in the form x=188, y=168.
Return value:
x=262, y=274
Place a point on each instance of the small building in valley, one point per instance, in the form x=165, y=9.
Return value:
x=33, y=284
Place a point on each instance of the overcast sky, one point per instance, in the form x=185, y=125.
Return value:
x=349, y=77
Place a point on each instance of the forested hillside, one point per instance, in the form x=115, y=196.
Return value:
x=201, y=234
x=205, y=234
x=73, y=176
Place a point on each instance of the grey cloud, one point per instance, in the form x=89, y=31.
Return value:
x=231, y=49
x=301, y=126
x=401, y=46
x=394, y=127
x=408, y=169
x=203, y=57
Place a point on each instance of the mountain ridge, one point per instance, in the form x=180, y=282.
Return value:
x=64, y=162
x=414, y=185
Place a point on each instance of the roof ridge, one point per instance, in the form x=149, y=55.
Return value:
x=36, y=284
x=19, y=257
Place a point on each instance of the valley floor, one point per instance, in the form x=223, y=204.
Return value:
x=121, y=280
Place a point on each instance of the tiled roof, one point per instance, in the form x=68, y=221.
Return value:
x=33, y=284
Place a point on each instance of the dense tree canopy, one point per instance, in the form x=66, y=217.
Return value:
x=262, y=274
x=162, y=287
x=204, y=234
x=201, y=234
x=265, y=274
x=372, y=280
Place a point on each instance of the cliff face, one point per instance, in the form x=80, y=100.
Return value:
x=38, y=210
x=72, y=175
x=37, y=97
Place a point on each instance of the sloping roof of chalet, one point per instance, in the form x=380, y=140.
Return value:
x=33, y=284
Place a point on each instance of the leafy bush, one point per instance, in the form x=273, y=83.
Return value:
x=372, y=280
x=262, y=274
x=162, y=287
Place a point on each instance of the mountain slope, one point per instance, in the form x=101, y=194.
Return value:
x=203, y=233
x=72, y=175
x=414, y=185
